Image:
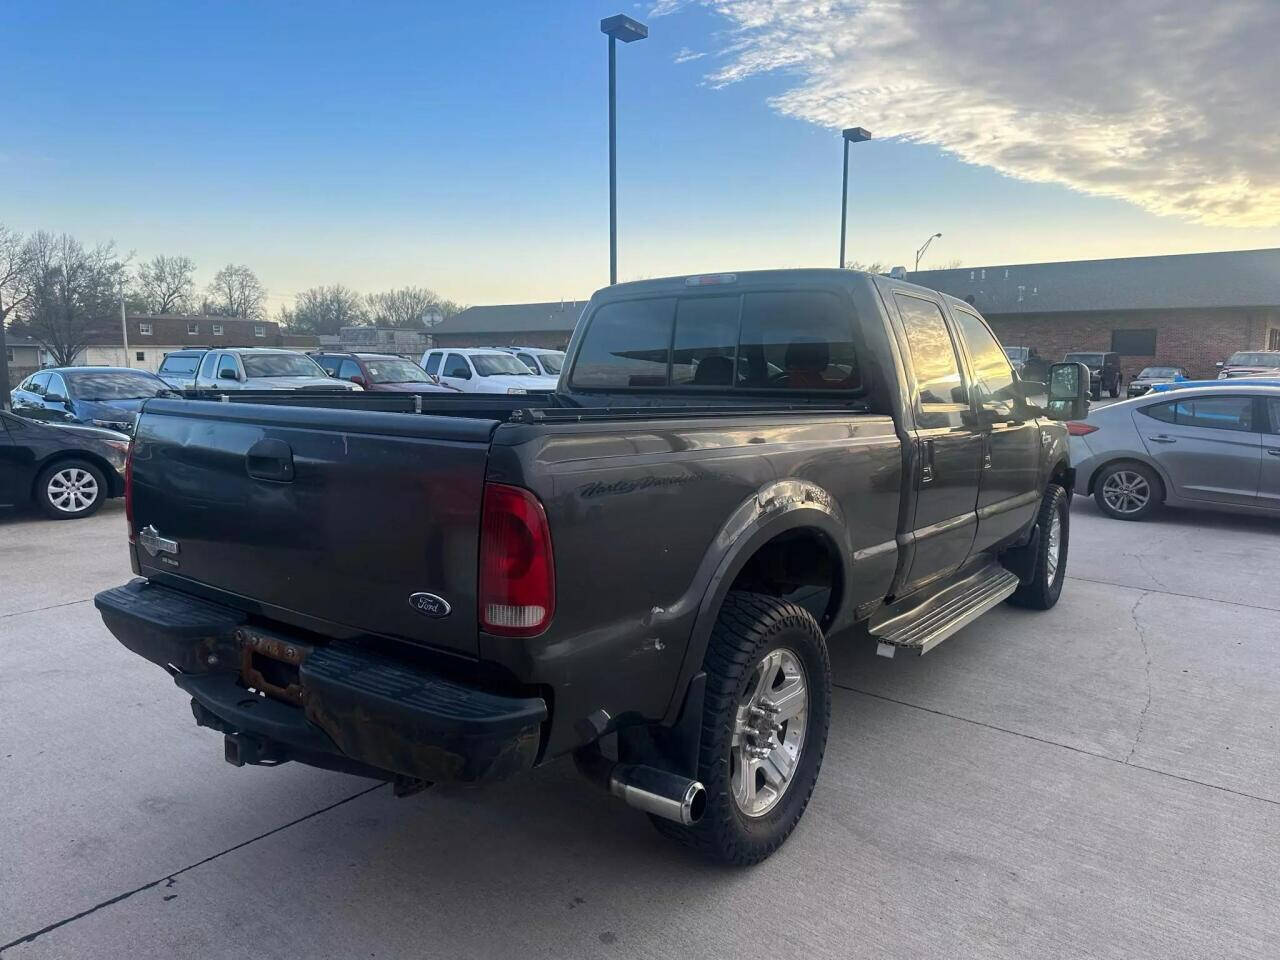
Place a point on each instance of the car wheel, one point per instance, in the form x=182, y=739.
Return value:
x=1044, y=587
x=71, y=489
x=764, y=728
x=1115, y=389
x=1127, y=491
x=1095, y=393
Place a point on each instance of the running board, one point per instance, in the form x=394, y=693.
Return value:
x=927, y=625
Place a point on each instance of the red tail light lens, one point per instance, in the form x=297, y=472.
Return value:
x=517, y=571
x=1078, y=429
x=128, y=493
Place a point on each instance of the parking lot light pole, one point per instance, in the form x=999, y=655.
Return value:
x=616, y=28
x=920, y=252
x=850, y=135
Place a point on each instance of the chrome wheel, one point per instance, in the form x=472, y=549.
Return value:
x=72, y=490
x=768, y=734
x=1126, y=491
x=1055, y=547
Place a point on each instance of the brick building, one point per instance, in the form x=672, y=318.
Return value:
x=1188, y=310
x=510, y=325
x=151, y=336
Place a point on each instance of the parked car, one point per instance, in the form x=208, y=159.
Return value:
x=483, y=370
x=65, y=469
x=889, y=473
x=1028, y=363
x=380, y=373
x=107, y=397
x=1207, y=447
x=1250, y=363
x=1105, y=372
x=545, y=363
x=1150, y=376
x=261, y=368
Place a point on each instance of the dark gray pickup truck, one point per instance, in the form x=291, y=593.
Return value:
x=642, y=569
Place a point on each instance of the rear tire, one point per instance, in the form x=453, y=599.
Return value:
x=1127, y=491
x=1115, y=389
x=752, y=808
x=71, y=490
x=1041, y=592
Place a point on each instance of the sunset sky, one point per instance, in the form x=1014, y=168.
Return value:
x=463, y=146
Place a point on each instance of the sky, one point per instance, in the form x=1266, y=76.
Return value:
x=463, y=147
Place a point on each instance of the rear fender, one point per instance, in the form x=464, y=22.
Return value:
x=777, y=508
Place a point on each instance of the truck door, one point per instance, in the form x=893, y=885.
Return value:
x=949, y=447
x=1009, y=491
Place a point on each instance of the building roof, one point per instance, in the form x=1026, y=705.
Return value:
x=1241, y=278
x=554, y=317
x=173, y=330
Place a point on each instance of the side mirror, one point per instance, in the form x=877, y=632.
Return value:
x=54, y=398
x=1068, y=391
x=358, y=380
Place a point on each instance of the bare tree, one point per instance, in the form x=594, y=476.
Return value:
x=14, y=290
x=409, y=307
x=875, y=266
x=72, y=296
x=325, y=310
x=236, y=291
x=167, y=283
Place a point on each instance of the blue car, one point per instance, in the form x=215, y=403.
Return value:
x=107, y=397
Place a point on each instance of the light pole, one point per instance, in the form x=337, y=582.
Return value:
x=124, y=325
x=920, y=252
x=851, y=135
x=627, y=30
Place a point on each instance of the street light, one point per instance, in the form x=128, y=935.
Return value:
x=920, y=252
x=627, y=30
x=851, y=135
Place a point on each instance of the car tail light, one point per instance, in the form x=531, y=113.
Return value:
x=1078, y=429
x=517, y=571
x=128, y=493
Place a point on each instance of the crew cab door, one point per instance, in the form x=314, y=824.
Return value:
x=1009, y=491
x=948, y=445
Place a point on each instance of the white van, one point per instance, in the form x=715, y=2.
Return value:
x=483, y=370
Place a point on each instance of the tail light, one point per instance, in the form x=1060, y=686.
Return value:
x=1078, y=429
x=517, y=570
x=128, y=493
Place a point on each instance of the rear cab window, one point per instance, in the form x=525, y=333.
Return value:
x=179, y=363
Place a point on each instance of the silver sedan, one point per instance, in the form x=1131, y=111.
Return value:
x=1211, y=447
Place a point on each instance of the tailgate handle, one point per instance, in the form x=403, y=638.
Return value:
x=270, y=460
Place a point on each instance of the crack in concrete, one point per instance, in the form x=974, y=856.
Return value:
x=52, y=606
x=1146, y=654
x=1142, y=562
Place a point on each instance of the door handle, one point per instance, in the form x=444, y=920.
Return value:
x=926, y=462
x=1274, y=451
x=1162, y=438
x=270, y=459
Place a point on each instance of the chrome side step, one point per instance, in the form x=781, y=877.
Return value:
x=924, y=627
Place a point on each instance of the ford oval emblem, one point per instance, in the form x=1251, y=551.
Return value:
x=429, y=605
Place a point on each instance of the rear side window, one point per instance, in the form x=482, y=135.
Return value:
x=179, y=364
x=1215, y=413
x=799, y=340
x=206, y=366
x=433, y=363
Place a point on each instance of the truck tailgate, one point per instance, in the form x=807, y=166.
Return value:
x=332, y=518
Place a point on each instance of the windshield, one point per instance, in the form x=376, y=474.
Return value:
x=395, y=370
x=499, y=364
x=1150, y=373
x=1092, y=359
x=551, y=362
x=115, y=386
x=280, y=365
x=1016, y=353
x=1255, y=360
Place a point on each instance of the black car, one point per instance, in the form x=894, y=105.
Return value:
x=66, y=469
x=1104, y=371
x=108, y=397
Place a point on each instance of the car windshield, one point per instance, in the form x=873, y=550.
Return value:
x=280, y=365
x=395, y=370
x=499, y=364
x=1150, y=373
x=1092, y=359
x=1016, y=353
x=551, y=362
x=1255, y=360
x=116, y=385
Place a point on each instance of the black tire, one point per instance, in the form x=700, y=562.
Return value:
x=1042, y=590
x=1095, y=393
x=749, y=627
x=70, y=473
x=1115, y=389
x=1115, y=507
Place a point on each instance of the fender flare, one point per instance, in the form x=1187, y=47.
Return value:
x=776, y=508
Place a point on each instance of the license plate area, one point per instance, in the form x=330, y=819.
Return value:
x=269, y=664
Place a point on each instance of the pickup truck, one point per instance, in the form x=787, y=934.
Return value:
x=642, y=569
x=247, y=368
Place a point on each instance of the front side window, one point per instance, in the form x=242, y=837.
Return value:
x=227, y=365
x=939, y=389
x=58, y=388
x=349, y=370
x=456, y=366
x=993, y=380
x=433, y=363
x=280, y=365
x=552, y=362
x=528, y=361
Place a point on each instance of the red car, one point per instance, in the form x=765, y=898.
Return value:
x=381, y=372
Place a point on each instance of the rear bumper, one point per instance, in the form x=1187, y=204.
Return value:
x=350, y=710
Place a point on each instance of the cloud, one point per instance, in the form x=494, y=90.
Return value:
x=1167, y=104
x=684, y=55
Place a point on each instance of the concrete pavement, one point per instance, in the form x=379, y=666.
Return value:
x=1102, y=780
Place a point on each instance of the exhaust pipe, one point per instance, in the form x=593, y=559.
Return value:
x=663, y=794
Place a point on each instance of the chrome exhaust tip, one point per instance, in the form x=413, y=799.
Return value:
x=663, y=794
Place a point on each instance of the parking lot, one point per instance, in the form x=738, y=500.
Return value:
x=1102, y=781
